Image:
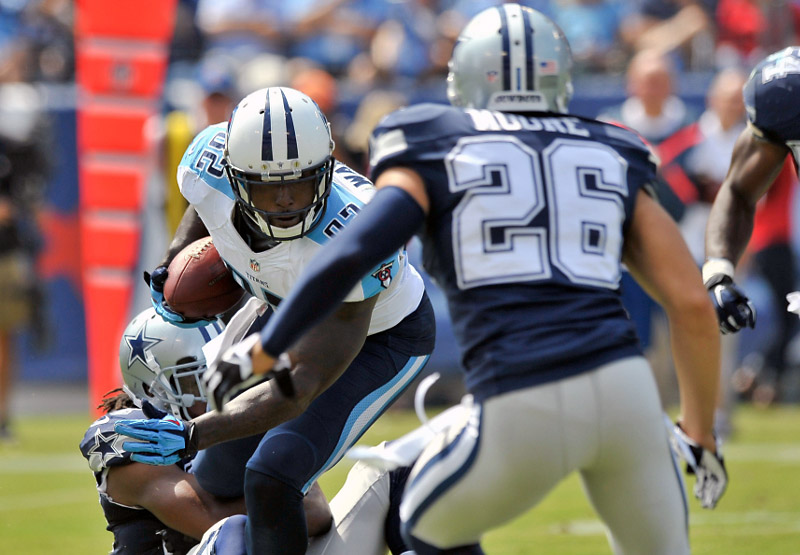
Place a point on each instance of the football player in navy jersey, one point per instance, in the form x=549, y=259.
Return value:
x=267, y=189
x=526, y=214
x=161, y=509
x=772, y=134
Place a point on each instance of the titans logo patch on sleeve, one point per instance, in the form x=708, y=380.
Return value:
x=384, y=274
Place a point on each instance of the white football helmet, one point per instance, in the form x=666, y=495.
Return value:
x=513, y=59
x=276, y=136
x=163, y=363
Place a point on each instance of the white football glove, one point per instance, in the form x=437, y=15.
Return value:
x=708, y=467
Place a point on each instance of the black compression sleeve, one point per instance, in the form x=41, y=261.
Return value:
x=384, y=225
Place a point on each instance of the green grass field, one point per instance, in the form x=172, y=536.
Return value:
x=48, y=502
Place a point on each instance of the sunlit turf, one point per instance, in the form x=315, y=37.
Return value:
x=48, y=502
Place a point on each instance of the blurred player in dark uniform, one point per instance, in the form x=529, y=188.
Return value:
x=159, y=509
x=772, y=134
x=525, y=214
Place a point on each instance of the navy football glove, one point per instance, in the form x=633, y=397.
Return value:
x=164, y=439
x=156, y=282
x=708, y=467
x=734, y=309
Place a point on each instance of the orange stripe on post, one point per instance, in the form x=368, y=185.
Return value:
x=110, y=241
x=112, y=185
x=107, y=296
x=104, y=69
x=151, y=20
x=110, y=128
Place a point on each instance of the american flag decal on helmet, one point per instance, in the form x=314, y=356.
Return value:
x=384, y=274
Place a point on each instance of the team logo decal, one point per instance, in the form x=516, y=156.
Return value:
x=138, y=344
x=254, y=265
x=491, y=76
x=384, y=274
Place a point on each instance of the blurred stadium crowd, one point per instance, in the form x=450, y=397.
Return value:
x=670, y=69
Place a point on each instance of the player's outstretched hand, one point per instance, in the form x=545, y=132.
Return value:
x=155, y=281
x=734, y=309
x=162, y=439
x=707, y=466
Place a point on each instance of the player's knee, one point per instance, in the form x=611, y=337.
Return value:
x=292, y=458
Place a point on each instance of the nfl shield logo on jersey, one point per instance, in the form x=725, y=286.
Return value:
x=254, y=265
x=384, y=274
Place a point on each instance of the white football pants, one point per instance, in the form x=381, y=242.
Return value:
x=359, y=512
x=606, y=424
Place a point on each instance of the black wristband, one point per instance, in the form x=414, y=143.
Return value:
x=192, y=439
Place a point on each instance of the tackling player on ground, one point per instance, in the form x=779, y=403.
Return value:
x=161, y=509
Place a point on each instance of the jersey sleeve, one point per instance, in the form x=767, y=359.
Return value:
x=770, y=97
x=202, y=179
x=411, y=136
x=102, y=446
x=642, y=162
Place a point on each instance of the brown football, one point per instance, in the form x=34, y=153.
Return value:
x=199, y=284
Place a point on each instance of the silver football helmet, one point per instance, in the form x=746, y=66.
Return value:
x=511, y=58
x=163, y=363
x=278, y=136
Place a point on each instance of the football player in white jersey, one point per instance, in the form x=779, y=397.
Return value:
x=269, y=192
x=526, y=214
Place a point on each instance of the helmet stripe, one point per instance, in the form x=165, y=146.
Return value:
x=506, y=49
x=291, y=138
x=516, y=45
x=205, y=334
x=528, y=37
x=266, y=133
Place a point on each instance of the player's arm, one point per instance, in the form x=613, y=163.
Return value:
x=659, y=260
x=755, y=164
x=177, y=500
x=190, y=229
x=318, y=358
x=172, y=495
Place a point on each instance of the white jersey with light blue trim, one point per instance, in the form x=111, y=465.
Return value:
x=770, y=97
x=270, y=275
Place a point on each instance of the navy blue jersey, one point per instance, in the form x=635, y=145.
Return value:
x=525, y=234
x=770, y=97
x=136, y=530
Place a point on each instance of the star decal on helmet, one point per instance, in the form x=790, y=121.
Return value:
x=139, y=344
